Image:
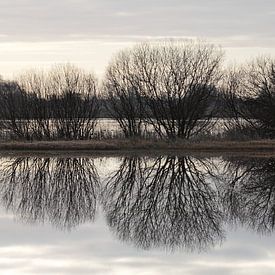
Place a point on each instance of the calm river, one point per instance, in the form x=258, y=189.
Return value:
x=137, y=215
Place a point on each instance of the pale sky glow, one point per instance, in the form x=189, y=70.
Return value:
x=92, y=249
x=92, y=55
x=38, y=33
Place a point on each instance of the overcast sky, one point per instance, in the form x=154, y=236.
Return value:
x=88, y=32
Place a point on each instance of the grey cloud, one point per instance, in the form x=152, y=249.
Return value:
x=53, y=20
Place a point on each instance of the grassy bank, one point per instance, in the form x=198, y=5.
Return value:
x=142, y=145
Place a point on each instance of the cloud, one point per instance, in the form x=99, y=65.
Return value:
x=41, y=25
x=51, y=20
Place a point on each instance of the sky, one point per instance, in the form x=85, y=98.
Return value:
x=38, y=33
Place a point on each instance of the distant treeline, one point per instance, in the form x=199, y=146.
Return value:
x=179, y=88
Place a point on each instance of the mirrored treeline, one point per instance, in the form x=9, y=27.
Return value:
x=170, y=202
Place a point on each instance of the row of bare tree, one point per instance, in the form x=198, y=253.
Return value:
x=59, y=104
x=179, y=88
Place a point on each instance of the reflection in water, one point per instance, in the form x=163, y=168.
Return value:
x=167, y=201
x=250, y=193
x=60, y=190
x=164, y=202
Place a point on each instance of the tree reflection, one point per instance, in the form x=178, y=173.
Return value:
x=167, y=201
x=252, y=184
x=62, y=191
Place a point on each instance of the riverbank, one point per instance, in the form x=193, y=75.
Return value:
x=180, y=146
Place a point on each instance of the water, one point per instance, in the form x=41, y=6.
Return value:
x=109, y=128
x=137, y=215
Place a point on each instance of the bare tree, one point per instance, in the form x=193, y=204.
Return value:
x=35, y=84
x=122, y=94
x=178, y=81
x=63, y=102
x=234, y=97
x=172, y=85
x=261, y=88
x=250, y=96
x=16, y=110
x=73, y=102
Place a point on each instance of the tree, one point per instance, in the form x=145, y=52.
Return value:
x=177, y=84
x=122, y=94
x=73, y=101
x=35, y=84
x=61, y=103
x=16, y=110
x=250, y=96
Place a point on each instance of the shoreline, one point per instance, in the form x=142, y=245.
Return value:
x=140, y=146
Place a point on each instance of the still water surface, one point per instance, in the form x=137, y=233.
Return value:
x=137, y=215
